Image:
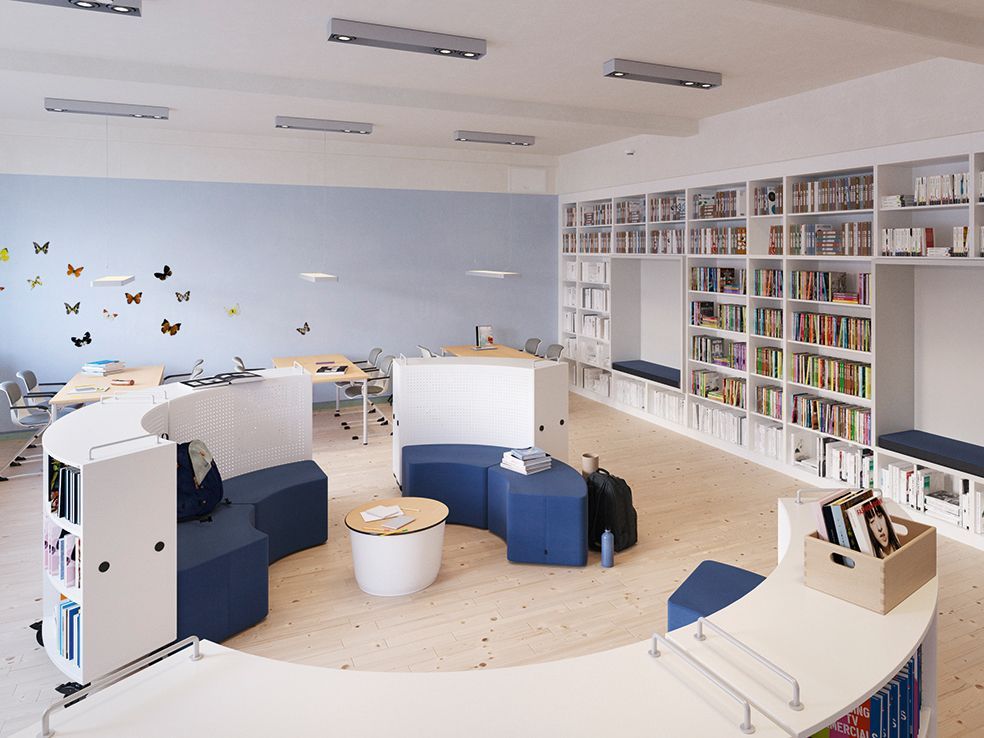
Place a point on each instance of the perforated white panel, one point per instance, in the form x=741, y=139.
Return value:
x=248, y=426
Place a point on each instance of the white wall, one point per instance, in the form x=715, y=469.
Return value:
x=932, y=99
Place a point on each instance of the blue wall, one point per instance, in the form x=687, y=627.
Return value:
x=401, y=257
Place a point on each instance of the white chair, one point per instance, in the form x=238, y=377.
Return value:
x=240, y=365
x=197, y=370
x=426, y=352
x=34, y=418
x=377, y=390
x=532, y=344
x=368, y=365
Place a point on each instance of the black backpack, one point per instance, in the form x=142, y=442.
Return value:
x=610, y=507
x=197, y=500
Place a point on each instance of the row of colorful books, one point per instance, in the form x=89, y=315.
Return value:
x=849, y=422
x=70, y=630
x=837, y=331
x=721, y=204
x=722, y=240
x=856, y=519
x=833, y=374
x=767, y=322
x=768, y=362
x=712, y=386
x=834, y=193
x=767, y=282
x=767, y=200
x=820, y=239
x=715, y=350
x=667, y=208
x=768, y=401
x=727, y=280
x=775, y=240
x=668, y=241
x=61, y=554
x=839, y=287
x=714, y=315
x=65, y=491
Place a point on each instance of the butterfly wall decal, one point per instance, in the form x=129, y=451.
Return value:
x=167, y=327
x=75, y=271
x=72, y=309
x=4, y=254
x=133, y=299
x=304, y=330
x=233, y=311
x=80, y=342
x=183, y=296
x=110, y=316
x=162, y=275
x=38, y=249
x=36, y=282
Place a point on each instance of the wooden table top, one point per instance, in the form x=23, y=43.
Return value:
x=311, y=364
x=498, y=352
x=144, y=377
x=426, y=513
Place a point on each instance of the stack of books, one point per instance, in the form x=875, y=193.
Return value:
x=103, y=367
x=526, y=460
x=856, y=519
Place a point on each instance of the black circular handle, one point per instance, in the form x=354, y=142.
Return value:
x=159, y=546
x=541, y=428
x=104, y=567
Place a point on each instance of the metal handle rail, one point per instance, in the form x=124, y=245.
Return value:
x=699, y=635
x=876, y=491
x=746, y=724
x=113, y=677
x=129, y=396
x=297, y=365
x=124, y=440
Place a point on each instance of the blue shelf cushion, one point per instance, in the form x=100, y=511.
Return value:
x=949, y=452
x=222, y=574
x=710, y=587
x=453, y=473
x=543, y=517
x=291, y=504
x=648, y=370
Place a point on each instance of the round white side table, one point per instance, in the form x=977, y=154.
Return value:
x=389, y=564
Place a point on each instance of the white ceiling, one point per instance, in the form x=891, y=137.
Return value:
x=231, y=65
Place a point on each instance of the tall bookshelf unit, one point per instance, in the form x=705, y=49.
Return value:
x=786, y=345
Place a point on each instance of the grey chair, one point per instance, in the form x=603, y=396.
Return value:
x=426, y=352
x=240, y=366
x=369, y=366
x=30, y=384
x=553, y=352
x=33, y=418
x=532, y=344
x=377, y=390
x=197, y=370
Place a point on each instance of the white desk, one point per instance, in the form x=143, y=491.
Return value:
x=839, y=652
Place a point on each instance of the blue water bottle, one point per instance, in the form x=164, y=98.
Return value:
x=607, y=549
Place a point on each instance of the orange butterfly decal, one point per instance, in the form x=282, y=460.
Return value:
x=166, y=327
x=75, y=271
x=133, y=298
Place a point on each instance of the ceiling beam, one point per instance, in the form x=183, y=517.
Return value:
x=92, y=68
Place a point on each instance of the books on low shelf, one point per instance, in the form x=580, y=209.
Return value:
x=526, y=460
x=894, y=711
x=70, y=630
x=61, y=554
x=103, y=367
x=64, y=491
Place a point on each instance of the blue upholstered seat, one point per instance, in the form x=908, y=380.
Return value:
x=949, y=452
x=648, y=370
x=222, y=574
x=710, y=587
x=291, y=504
x=454, y=473
x=543, y=517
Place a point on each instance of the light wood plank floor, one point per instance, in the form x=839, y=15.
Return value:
x=694, y=502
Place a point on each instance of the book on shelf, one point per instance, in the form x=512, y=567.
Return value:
x=721, y=204
x=768, y=440
x=831, y=194
x=719, y=423
x=596, y=214
x=728, y=240
x=842, y=287
x=595, y=272
x=767, y=200
x=767, y=322
x=663, y=208
x=767, y=282
x=835, y=331
x=856, y=520
x=821, y=239
x=726, y=280
x=833, y=374
x=893, y=711
x=768, y=401
x=942, y=189
x=849, y=422
x=630, y=211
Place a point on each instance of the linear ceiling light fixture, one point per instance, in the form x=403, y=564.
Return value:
x=513, y=139
x=91, y=107
x=317, y=124
x=645, y=72
x=130, y=7
x=491, y=273
x=318, y=277
x=113, y=281
x=358, y=33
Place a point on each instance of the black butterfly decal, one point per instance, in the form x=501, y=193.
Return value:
x=164, y=274
x=167, y=327
x=80, y=342
x=133, y=298
x=38, y=249
x=183, y=297
x=304, y=330
x=70, y=309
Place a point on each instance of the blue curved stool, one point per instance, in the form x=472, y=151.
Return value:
x=712, y=586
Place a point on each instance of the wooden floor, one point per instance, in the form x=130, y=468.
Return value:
x=694, y=502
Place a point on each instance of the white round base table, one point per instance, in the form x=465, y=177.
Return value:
x=389, y=564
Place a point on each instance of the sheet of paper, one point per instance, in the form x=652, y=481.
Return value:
x=381, y=512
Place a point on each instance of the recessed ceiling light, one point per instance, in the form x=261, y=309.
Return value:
x=404, y=39
x=512, y=139
x=84, y=3
x=660, y=73
x=132, y=8
x=93, y=107
x=319, y=124
x=121, y=9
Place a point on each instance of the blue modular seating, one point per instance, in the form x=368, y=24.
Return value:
x=710, y=587
x=648, y=370
x=948, y=452
x=291, y=504
x=223, y=586
x=542, y=517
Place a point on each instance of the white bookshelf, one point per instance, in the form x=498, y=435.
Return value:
x=903, y=395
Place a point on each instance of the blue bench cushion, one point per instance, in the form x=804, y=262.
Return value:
x=455, y=474
x=291, y=504
x=648, y=370
x=949, y=452
x=543, y=517
x=222, y=574
x=710, y=587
